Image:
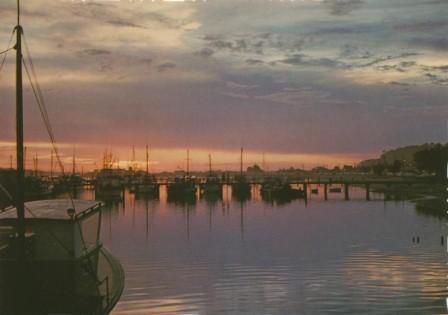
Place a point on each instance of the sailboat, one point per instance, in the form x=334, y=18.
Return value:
x=241, y=188
x=212, y=185
x=147, y=184
x=109, y=183
x=51, y=257
x=184, y=187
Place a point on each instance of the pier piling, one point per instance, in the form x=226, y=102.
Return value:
x=346, y=186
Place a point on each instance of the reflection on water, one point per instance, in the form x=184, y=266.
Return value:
x=253, y=257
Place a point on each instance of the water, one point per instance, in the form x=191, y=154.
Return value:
x=323, y=257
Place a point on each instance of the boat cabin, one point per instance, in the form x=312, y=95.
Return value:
x=57, y=230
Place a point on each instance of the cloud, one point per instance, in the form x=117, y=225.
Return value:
x=304, y=60
x=389, y=58
x=205, y=52
x=435, y=43
x=165, y=66
x=124, y=23
x=436, y=79
x=343, y=7
x=254, y=62
x=400, y=67
x=257, y=43
x=94, y=52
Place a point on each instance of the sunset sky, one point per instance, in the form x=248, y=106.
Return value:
x=314, y=82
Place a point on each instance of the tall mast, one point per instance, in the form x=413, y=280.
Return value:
x=210, y=164
x=241, y=162
x=36, y=164
x=147, y=160
x=133, y=163
x=20, y=203
x=73, y=163
x=188, y=162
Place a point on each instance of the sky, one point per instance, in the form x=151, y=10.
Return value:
x=297, y=83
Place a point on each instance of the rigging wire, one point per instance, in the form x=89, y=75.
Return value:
x=7, y=50
x=32, y=77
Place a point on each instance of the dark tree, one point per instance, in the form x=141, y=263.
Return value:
x=255, y=168
x=396, y=166
x=433, y=160
x=378, y=169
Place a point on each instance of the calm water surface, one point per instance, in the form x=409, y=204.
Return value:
x=228, y=257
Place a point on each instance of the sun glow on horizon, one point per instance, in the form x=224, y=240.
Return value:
x=89, y=157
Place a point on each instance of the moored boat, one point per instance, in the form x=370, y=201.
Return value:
x=51, y=257
x=212, y=184
x=64, y=265
x=109, y=184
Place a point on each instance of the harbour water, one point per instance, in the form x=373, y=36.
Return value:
x=253, y=257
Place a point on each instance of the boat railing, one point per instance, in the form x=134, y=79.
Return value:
x=106, y=280
x=112, y=275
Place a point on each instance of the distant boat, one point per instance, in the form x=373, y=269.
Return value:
x=275, y=188
x=241, y=188
x=183, y=186
x=335, y=189
x=36, y=187
x=51, y=258
x=212, y=185
x=146, y=184
x=109, y=183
